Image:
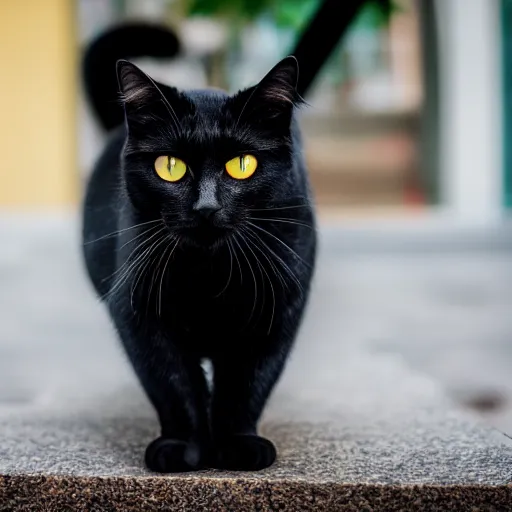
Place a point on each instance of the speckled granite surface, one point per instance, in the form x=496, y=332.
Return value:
x=356, y=429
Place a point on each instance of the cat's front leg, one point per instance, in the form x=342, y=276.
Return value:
x=242, y=385
x=175, y=383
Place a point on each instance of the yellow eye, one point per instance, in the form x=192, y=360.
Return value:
x=242, y=167
x=170, y=168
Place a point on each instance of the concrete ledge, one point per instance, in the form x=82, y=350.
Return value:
x=356, y=429
x=364, y=433
x=241, y=494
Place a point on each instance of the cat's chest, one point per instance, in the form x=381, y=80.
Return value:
x=215, y=299
x=221, y=304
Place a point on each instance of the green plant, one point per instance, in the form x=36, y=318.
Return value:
x=292, y=14
x=376, y=14
x=287, y=12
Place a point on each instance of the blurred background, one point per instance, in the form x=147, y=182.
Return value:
x=406, y=137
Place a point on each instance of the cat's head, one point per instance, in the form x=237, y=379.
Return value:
x=203, y=160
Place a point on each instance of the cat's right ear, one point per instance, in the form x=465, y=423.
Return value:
x=137, y=88
x=145, y=99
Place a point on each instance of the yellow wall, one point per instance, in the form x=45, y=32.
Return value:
x=37, y=103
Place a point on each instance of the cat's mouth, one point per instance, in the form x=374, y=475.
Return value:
x=204, y=236
x=198, y=233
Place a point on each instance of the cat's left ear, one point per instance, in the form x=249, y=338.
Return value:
x=275, y=97
x=279, y=86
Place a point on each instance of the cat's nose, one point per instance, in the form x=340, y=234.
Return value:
x=207, y=211
x=207, y=203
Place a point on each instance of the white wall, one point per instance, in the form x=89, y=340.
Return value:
x=471, y=140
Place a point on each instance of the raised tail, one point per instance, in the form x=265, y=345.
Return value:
x=99, y=65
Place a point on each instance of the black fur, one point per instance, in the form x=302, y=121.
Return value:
x=208, y=267
x=129, y=40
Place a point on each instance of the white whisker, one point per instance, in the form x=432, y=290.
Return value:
x=121, y=231
x=280, y=241
x=284, y=221
x=237, y=260
x=138, y=236
x=128, y=259
x=156, y=268
x=162, y=278
x=246, y=242
x=245, y=105
x=283, y=263
x=146, y=265
x=262, y=268
x=277, y=273
x=168, y=106
x=230, y=272
x=120, y=281
x=253, y=277
x=279, y=208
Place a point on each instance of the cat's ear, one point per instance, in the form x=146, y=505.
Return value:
x=137, y=88
x=279, y=85
x=143, y=98
x=274, y=98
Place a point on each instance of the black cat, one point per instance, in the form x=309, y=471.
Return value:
x=199, y=235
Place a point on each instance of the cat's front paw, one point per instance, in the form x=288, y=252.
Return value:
x=165, y=455
x=244, y=453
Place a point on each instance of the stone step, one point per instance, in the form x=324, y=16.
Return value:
x=367, y=434
x=356, y=429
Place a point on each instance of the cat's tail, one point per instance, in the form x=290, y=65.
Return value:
x=127, y=41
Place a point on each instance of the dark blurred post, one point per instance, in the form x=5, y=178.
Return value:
x=321, y=36
x=429, y=138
